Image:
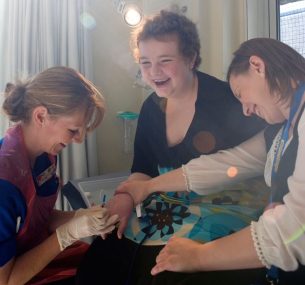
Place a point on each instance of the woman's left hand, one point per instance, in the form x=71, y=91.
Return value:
x=138, y=189
x=121, y=204
x=179, y=255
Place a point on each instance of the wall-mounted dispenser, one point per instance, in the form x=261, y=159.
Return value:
x=129, y=121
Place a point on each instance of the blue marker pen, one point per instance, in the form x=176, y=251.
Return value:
x=103, y=200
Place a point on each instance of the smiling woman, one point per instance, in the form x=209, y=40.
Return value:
x=51, y=110
x=55, y=98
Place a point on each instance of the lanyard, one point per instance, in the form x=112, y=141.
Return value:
x=297, y=98
x=273, y=274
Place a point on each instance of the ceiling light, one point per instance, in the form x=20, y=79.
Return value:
x=132, y=15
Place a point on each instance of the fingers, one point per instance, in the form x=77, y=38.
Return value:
x=122, y=227
x=95, y=208
x=96, y=211
x=120, y=188
x=162, y=263
x=158, y=268
x=163, y=259
x=107, y=227
x=103, y=225
x=122, y=185
x=112, y=220
x=101, y=212
x=104, y=231
x=103, y=236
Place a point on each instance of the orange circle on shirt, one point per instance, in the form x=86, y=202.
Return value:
x=204, y=142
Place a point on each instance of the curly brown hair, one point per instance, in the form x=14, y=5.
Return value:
x=165, y=24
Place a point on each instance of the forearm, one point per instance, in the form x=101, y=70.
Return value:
x=32, y=262
x=170, y=181
x=59, y=218
x=211, y=173
x=140, y=186
x=138, y=176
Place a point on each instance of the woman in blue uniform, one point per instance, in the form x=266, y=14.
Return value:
x=53, y=109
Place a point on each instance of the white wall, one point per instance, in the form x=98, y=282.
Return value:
x=221, y=25
x=113, y=68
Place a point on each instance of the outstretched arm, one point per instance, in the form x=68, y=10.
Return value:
x=141, y=189
x=206, y=174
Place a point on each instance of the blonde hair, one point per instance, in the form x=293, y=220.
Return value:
x=61, y=90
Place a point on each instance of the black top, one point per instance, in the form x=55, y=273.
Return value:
x=218, y=123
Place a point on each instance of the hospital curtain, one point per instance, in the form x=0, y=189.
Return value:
x=222, y=27
x=35, y=35
x=261, y=19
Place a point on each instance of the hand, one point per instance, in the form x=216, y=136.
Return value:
x=82, y=211
x=138, y=189
x=96, y=221
x=122, y=205
x=179, y=255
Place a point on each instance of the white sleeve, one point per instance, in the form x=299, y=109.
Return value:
x=279, y=234
x=209, y=173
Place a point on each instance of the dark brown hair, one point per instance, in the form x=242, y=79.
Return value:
x=284, y=66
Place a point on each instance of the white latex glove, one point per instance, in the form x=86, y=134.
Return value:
x=94, y=222
x=82, y=211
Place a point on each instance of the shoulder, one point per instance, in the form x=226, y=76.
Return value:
x=211, y=81
x=11, y=197
x=12, y=206
x=152, y=107
x=152, y=100
x=12, y=213
x=213, y=89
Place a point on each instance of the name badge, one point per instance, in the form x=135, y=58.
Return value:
x=46, y=175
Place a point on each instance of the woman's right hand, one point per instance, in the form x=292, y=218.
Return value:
x=95, y=221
